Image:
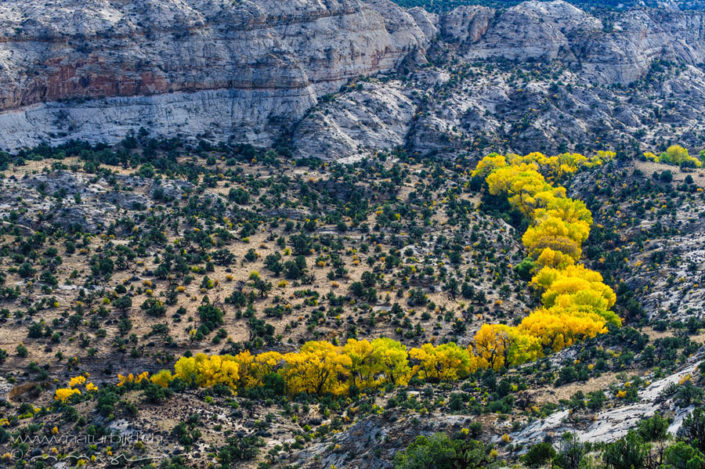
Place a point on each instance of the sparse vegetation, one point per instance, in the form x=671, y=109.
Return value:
x=301, y=298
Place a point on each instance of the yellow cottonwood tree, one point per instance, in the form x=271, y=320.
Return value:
x=677, y=154
x=575, y=287
x=554, y=259
x=216, y=369
x=185, y=369
x=319, y=368
x=555, y=234
x=499, y=345
x=568, y=210
x=558, y=166
x=489, y=164
x=63, y=394
x=558, y=329
x=361, y=366
x=162, y=378
x=390, y=360
x=246, y=370
x=445, y=362
x=253, y=368
x=266, y=363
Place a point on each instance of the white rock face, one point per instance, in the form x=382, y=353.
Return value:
x=605, y=54
x=375, y=117
x=534, y=30
x=244, y=70
x=220, y=114
x=428, y=22
x=612, y=424
x=540, y=75
x=467, y=23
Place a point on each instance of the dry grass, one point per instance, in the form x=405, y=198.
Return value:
x=679, y=174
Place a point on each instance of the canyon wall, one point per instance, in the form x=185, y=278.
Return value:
x=538, y=75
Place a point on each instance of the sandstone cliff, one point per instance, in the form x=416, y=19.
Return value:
x=538, y=75
x=95, y=69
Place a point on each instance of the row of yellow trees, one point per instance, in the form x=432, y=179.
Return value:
x=321, y=367
x=324, y=368
x=676, y=155
x=575, y=304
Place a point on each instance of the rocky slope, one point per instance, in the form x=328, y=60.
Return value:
x=352, y=447
x=538, y=74
x=612, y=424
x=94, y=70
x=552, y=75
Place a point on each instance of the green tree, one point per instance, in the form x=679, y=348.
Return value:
x=239, y=448
x=439, y=451
x=153, y=307
x=539, y=455
x=571, y=452
x=211, y=316
x=626, y=453
x=654, y=428
x=683, y=456
x=693, y=429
